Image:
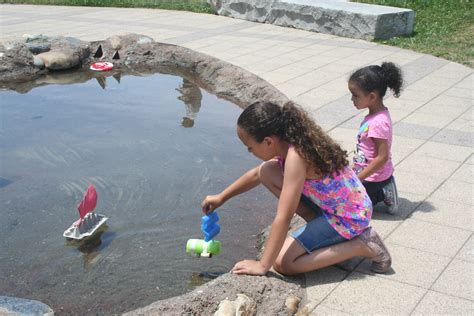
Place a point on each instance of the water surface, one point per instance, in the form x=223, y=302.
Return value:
x=153, y=147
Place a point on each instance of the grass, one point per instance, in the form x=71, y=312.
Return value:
x=200, y=6
x=443, y=28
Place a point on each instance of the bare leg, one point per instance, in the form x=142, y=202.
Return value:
x=293, y=258
x=272, y=178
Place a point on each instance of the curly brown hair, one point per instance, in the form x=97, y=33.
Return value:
x=292, y=124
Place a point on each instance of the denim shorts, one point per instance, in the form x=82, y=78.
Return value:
x=317, y=233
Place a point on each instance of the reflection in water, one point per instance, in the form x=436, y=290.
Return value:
x=102, y=81
x=152, y=174
x=191, y=96
x=4, y=182
x=91, y=247
x=117, y=76
x=199, y=278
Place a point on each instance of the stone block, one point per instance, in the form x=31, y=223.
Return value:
x=341, y=18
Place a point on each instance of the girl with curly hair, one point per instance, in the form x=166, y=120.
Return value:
x=308, y=172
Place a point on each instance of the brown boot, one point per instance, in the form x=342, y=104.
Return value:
x=382, y=260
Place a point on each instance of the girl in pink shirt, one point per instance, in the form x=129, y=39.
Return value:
x=373, y=157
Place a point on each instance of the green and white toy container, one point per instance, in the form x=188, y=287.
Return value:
x=202, y=248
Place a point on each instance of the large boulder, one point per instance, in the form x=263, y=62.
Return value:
x=65, y=53
x=26, y=59
x=17, y=62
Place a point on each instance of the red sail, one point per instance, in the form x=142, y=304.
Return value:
x=89, y=202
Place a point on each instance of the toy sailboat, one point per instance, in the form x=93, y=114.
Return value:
x=89, y=221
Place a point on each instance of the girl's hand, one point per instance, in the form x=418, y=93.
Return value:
x=210, y=203
x=251, y=267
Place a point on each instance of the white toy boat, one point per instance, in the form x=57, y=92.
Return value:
x=89, y=222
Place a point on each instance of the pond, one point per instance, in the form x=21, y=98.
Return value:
x=153, y=146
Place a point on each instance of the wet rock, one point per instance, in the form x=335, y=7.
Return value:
x=16, y=62
x=242, y=306
x=20, y=306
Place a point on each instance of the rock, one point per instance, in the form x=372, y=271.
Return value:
x=265, y=291
x=65, y=53
x=17, y=63
x=38, y=62
x=129, y=41
x=292, y=302
x=226, y=308
x=59, y=60
x=305, y=310
x=20, y=306
x=341, y=18
x=242, y=306
x=38, y=44
x=115, y=42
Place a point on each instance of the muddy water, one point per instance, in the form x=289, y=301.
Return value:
x=153, y=147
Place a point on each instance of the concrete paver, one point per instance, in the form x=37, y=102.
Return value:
x=441, y=304
x=442, y=212
x=431, y=238
x=456, y=280
x=412, y=266
x=365, y=294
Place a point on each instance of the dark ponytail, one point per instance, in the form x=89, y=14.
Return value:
x=378, y=78
x=293, y=125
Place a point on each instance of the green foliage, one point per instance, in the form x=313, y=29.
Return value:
x=443, y=28
x=188, y=5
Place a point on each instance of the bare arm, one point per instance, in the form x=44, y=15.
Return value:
x=382, y=156
x=293, y=181
x=246, y=182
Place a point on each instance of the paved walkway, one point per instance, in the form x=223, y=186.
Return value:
x=432, y=238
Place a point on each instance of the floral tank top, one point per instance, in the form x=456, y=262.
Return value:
x=343, y=199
